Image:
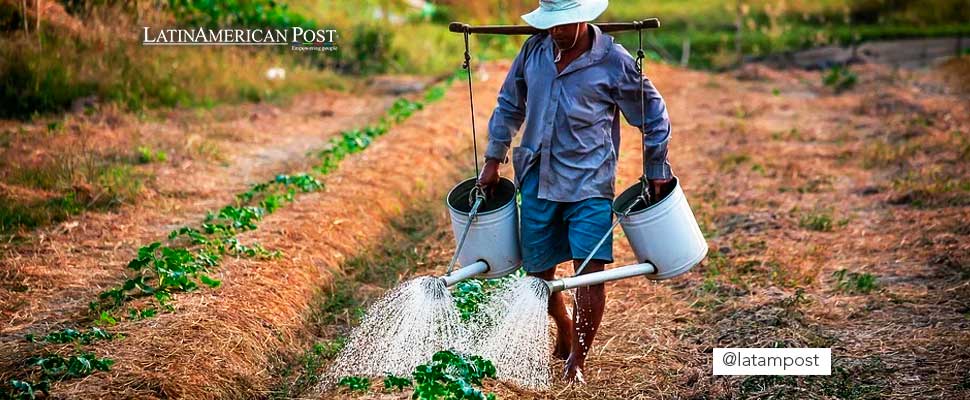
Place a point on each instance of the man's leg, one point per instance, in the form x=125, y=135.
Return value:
x=587, y=315
x=557, y=310
x=589, y=221
x=543, y=239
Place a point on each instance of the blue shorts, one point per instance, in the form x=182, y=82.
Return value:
x=552, y=232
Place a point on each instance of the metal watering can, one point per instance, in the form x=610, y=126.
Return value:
x=664, y=236
x=486, y=231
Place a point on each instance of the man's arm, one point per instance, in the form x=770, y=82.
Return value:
x=510, y=111
x=506, y=119
x=654, y=123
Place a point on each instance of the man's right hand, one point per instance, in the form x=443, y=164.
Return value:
x=489, y=177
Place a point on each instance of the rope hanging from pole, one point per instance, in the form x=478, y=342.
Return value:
x=471, y=100
x=643, y=115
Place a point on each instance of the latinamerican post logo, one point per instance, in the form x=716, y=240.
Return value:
x=298, y=38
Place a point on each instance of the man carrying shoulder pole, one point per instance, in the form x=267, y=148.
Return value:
x=569, y=84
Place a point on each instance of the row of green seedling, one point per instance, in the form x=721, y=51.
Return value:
x=185, y=260
x=449, y=375
x=184, y=264
x=51, y=367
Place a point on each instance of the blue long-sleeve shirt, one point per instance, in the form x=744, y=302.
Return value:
x=572, y=125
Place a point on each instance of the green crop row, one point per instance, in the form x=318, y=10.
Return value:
x=69, y=335
x=52, y=368
x=449, y=375
x=184, y=263
x=185, y=260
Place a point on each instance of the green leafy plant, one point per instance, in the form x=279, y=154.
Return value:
x=451, y=375
x=56, y=367
x=840, y=78
x=471, y=293
x=435, y=93
x=817, y=221
x=26, y=390
x=135, y=314
x=69, y=335
x=393, y=382
x=146, y=155
x=468, y=295
x=854, y=282
x=402, y=108
x=355, y=383
x=106, y=319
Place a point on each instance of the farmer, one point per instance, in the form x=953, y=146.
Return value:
x=569, y=85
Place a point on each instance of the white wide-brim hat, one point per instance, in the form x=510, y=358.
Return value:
x=558, y=12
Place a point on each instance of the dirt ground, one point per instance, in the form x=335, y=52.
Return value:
x=791, y=183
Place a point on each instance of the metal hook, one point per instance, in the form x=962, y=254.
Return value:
x=645, y=190
x=476, y=193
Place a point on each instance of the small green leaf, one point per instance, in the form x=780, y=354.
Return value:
x=106, y=318
x=210, y=282
x=355, y=383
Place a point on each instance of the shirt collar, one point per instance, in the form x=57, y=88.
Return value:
x=602, y=44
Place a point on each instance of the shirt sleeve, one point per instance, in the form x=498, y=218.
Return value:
x=509, y=114
x=654, y=122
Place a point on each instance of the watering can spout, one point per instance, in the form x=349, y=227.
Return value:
x=596, y=278
x=466, y=272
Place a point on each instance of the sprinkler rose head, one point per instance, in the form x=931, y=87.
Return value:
x=555, y=286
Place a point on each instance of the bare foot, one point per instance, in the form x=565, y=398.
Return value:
x=573, y=373
x=563, y=345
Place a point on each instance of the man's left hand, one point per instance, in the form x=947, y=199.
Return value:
x=659, y=188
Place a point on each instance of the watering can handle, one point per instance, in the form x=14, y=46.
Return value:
x=645, y=195
x=477, y=192
x=607, y=234
x=479, y=199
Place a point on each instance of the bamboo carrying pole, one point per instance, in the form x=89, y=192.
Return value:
x=460, y=27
